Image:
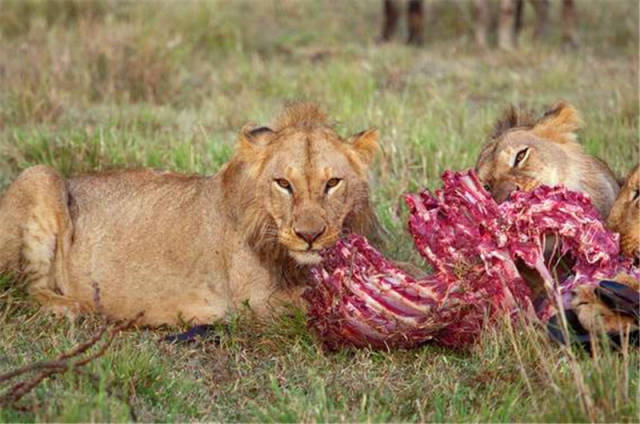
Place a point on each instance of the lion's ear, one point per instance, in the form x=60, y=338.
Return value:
x=558, y=124
x=252, y=137
x=365, y=144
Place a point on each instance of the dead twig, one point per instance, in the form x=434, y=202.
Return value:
x=63, y=363
x=60, y=361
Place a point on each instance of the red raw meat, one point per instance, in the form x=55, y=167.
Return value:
x=475, y=247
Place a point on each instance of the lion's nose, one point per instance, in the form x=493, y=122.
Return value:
x=503, y=191
x=310, y=235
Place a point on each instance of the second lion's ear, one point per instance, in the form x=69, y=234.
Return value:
x=252, y=137
x=559, y=123
x=365, y=144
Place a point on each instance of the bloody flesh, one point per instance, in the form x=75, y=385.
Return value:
x=477, y=250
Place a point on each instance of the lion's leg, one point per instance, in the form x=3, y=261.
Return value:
x=482, y=22
x=415, y=22
x=569, y=20
x=391, y=11
x=542, y=17
x=289, y=297
x=35, y=234
x=518, y=18
x=505, y=25
x=10, y=235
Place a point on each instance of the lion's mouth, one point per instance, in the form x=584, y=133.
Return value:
x=306, y=257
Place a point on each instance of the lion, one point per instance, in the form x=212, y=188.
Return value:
x=525, y=152
x=191, y=248
x=624, y=217
x=621, y=312
x=611, y=306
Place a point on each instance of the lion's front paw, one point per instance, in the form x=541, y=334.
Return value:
x=70, y=310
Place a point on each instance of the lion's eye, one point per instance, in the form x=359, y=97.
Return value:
x=333, y=182
x=487, y=187
x=283, y=183
x=521, y=156
x=636, y=194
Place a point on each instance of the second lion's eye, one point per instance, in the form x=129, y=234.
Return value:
x=333, y=182
x=283, y=183
x=521, y=157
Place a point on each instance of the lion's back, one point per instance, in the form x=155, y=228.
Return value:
x=139, y=205
x=140, y=228
x=134, y=190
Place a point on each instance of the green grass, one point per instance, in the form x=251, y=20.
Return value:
x=96, y=85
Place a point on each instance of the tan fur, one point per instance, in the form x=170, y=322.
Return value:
x=191, y=248
x=624, y=217
x=594, y=315
x=553, y=157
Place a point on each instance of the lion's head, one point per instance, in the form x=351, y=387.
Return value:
x=297, y=185
x=624, y=217
x=525, y=152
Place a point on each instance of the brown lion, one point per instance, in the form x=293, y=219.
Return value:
x=624, y=217
x=525, y=152
x=191, y=248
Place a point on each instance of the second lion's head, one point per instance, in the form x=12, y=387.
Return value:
x=526, y=151
x=296, y=186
